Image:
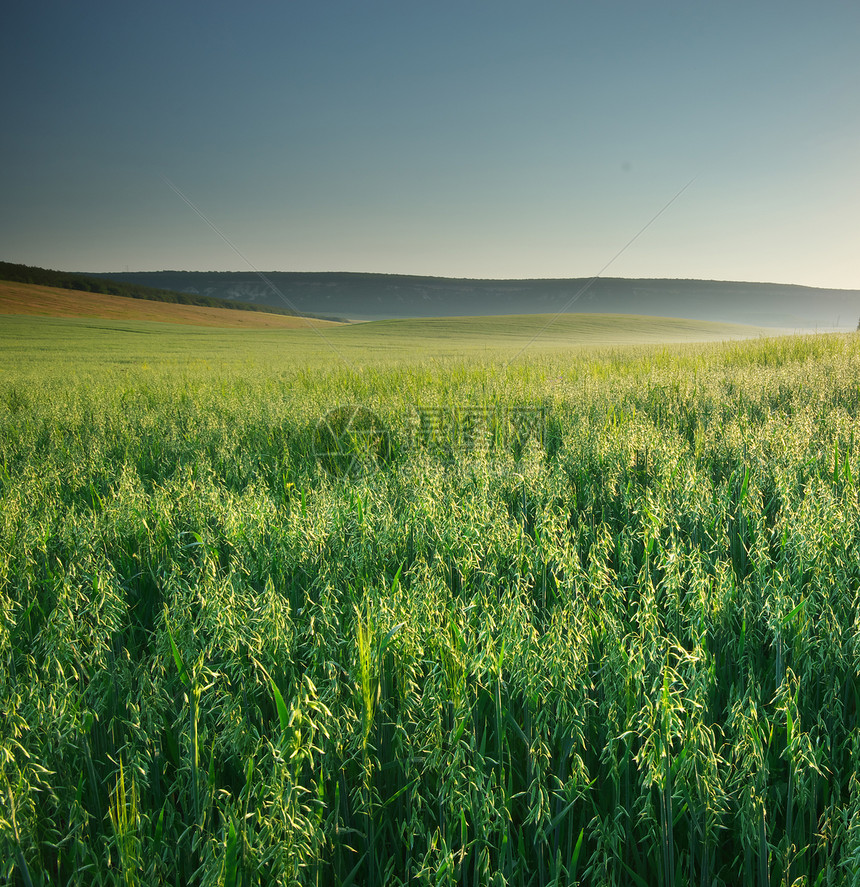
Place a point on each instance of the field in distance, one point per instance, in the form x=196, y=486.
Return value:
x=362, y=607
x=46, y=301
x=553, y=330
x=101, y=330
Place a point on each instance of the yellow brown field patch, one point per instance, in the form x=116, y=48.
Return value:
x=46, y=301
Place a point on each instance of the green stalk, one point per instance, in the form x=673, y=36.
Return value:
x=19, y=853
x=666, y=791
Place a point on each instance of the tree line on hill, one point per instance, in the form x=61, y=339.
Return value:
x=84, y=283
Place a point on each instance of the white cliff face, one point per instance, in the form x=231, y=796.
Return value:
x=245, y=291
x=239, y=291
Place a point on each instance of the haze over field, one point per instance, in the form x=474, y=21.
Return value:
x=469, y=140
x=377, y=296
x=95, y=330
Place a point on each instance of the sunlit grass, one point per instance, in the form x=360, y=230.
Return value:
x=623, y=653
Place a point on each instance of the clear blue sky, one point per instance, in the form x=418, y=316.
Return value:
x=463, y=138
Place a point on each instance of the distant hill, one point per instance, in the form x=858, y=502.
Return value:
x=377, y=296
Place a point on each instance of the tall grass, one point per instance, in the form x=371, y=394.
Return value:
x=625, y=653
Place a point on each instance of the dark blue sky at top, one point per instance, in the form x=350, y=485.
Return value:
x=479, y=139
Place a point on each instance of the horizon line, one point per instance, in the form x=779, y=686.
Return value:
x=480, y=279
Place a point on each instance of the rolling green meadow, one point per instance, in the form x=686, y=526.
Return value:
x=429, y=602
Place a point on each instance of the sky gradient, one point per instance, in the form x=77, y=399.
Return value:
x=476, y=138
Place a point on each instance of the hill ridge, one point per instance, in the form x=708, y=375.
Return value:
x=369, y=295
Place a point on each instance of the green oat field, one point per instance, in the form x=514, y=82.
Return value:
x=429, y=602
